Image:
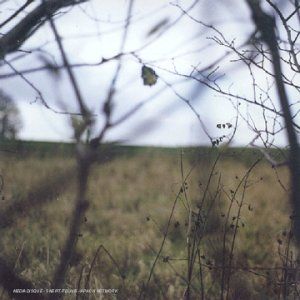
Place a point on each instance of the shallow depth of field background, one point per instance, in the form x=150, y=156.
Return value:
x=131, y=198
x=179, y=163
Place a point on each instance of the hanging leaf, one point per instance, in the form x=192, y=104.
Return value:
x=149, y=76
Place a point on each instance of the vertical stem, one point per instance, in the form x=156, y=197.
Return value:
x=77, y=218
x=266, y=25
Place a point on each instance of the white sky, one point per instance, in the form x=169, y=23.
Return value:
x=170, y=121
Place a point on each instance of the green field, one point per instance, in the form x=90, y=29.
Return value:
x=232, y=215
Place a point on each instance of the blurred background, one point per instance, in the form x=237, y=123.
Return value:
x=205, y=222
x=166, y=36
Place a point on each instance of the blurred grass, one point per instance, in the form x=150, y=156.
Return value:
x=130, y=201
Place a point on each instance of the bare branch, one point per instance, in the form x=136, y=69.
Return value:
x=13, y=39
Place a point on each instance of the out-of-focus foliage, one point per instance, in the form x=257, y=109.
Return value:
x=131, y=198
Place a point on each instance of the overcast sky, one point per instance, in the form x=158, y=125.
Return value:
x=93, y=31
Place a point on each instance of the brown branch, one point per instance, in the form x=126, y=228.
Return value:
x=19, y=10
x=266, y=26
x=108, y=103
x=288, y=32
x=84, y=163
x=76, y=221
x=39, y=93
x=73, y=81
x=85, y=156
x=14, y=38
x=56, y=68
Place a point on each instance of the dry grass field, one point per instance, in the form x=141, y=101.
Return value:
x=238, y=219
